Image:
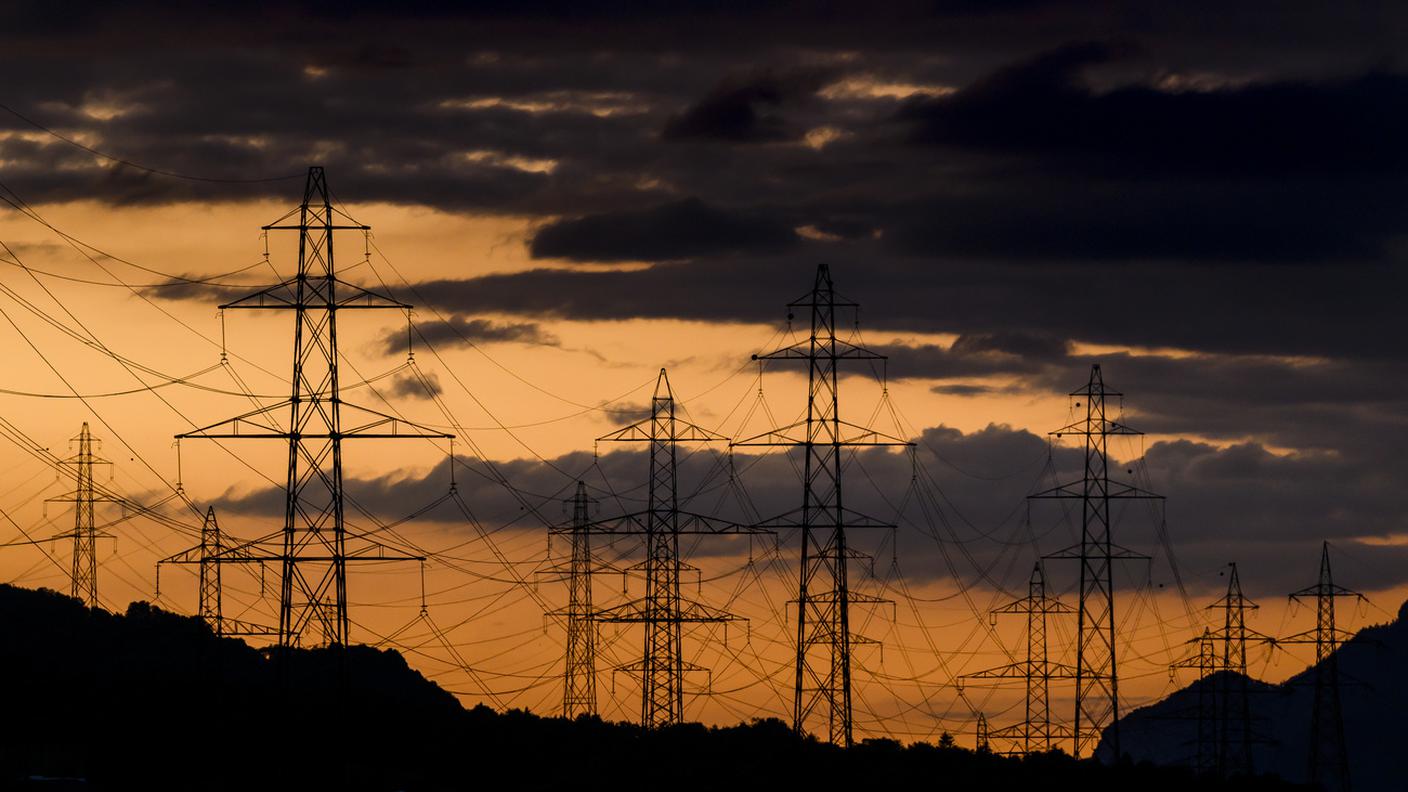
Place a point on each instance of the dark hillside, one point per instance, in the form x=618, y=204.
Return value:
x=1374, y=695
x=153, y=701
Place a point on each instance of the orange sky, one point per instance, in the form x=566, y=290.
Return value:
x=493, y=614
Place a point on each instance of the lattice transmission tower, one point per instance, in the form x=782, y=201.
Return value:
x=824, y=594
x=209, y=556
x=1234, y=722
x=315, y=552
x=1203, y=659
x=1036, y=732
x=1097, y=671
x=1328, y=756
x=1225, y=735
x=85, y=533
x=579, y=673
x=663, y=611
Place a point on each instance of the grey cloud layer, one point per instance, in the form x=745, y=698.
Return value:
x=1240, y=503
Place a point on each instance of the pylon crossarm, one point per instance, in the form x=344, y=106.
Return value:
x=849, y=519
x=231, y=427
x=71, y=534
x=365, y=422
x=316, y=227
x=1022, y=730
x=638, y=666
x=688, y=523
x=802, y=350
x=1023, y=670
x=684, y=432
x=97, y=497
x=796, y=435
x=376, y=420
x=376, y=551
x=1026, y=605
x=1116, y=489
x=236, y=627
x=1310, y=637
x=642, y=610
x=1082, y=428
x=1327, y=590
x=284, y=296
x=1117, y=553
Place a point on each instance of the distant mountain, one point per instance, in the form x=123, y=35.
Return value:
x=152, y=701
x=1374, y=694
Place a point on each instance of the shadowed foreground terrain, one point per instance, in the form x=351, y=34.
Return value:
x=1374, y=695
x=151, y=700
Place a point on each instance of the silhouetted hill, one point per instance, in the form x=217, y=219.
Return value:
x=153, y=701
x=1374, y=696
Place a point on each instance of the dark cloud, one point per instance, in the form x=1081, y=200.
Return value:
x=962, y=389
x=747, y=110
x=1268, y=129
x=459, y=330
x=1239, y=503
x=1230, y=190
x=426, y=385
x=673, y=231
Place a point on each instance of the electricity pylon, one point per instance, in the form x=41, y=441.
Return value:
x=85, y=533
x=983, y=743
x=1328, y=757
x=209, y=556
x=824, y=595
x=1204, y=661
x=1097, y=671
x=579, y=674
x=313, y=584
x=1234, y=755
x=662, y=611
x=1035, y=732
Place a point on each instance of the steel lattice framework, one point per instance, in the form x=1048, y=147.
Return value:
x=1097, y=672
x=824, y=595
x=662, y=612
x=579, y=674
x=1328, y=756
x=1204, y=660
x=1234, y=721
x=85, y=533
x=1225, y=737
x=209, y=556
x=1036, y=732
x=313, y=581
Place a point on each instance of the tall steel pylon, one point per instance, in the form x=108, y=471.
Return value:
x=579, y=673
x=1204, y=661
x=662, y=612
x=85, y=533
x=824, y=595
x=1036, y=732
x=1328, y=756
x=1097, y=672
x=209, y=556
x=1224, y=705
x=1234, y=720
x=313, y=584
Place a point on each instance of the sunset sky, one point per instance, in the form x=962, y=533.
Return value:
x=1205, y=198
